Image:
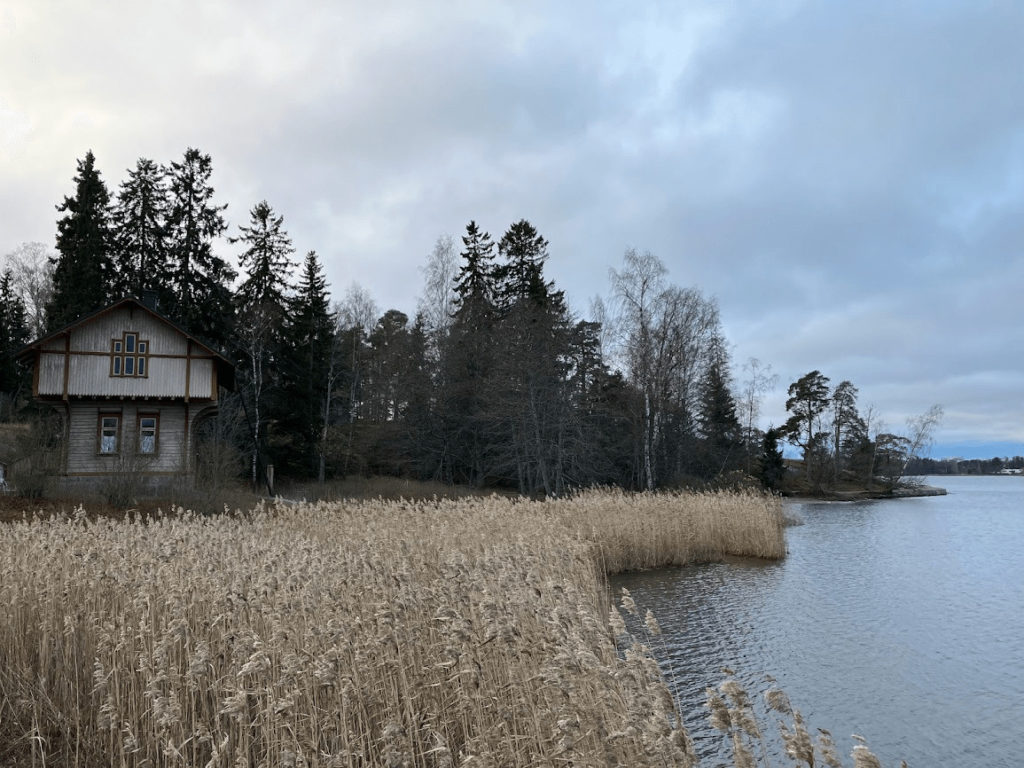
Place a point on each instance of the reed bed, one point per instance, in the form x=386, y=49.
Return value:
x=474, y=632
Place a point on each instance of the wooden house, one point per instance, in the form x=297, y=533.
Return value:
x=132, y=388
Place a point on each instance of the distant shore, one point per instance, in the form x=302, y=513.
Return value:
x=902, y=492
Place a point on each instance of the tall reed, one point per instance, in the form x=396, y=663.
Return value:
x=380, y=633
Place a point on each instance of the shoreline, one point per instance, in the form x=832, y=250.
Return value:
x=904, y=492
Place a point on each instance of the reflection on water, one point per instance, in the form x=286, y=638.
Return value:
x=901, y=620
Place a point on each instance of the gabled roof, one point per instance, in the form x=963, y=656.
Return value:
x=225, y=368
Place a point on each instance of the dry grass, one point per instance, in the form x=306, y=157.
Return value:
x=379, y=633
x=380, y=487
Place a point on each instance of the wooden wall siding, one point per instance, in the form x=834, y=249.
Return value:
x=96, y=335
x=51, y=374
x=89, y=376
x=82, y=456
x=200, y=380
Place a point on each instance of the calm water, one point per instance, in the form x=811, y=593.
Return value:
x=899, y=620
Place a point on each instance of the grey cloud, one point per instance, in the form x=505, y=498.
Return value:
x=846, y=179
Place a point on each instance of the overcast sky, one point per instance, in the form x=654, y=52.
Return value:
x=847, y=179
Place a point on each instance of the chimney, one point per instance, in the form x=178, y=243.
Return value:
x=150, y=300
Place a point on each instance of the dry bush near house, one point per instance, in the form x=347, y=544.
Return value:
x=377, y=633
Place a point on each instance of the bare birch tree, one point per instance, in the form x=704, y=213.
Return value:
x=665, y=335
x=437, y=302
x=32, y=266
x=758, y=382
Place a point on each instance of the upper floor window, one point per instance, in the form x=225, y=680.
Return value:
x=129, y=355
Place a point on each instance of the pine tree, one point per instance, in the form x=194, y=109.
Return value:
x=306, y=373
x=13, y=336
x=83, y=276
x=140, y=253
x=808, y=399
x=200, y=279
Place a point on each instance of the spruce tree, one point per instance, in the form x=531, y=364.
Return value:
x=201, y=280
x=140, y=252
x=261, y=305
x=771, y=469
x=475, y=283
x=520, y=277
x=419, y=423
x=468, y=361
x=266, y=260
x=83, y=274
x=532, y=402
x=721, y=447
x=306, y=373
x=13, y=336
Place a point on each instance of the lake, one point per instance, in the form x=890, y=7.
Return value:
x=901, y=620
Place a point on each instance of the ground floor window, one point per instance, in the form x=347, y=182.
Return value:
x=109, y=432
x=149, y=426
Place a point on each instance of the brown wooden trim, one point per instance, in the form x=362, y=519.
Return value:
x=188, y=369
x=36, y=365
x=67, y=363
x=66, y=441
x=94, y=353
x=186, y=439
x=135, y=303
x=152, y=473
x=93, y=396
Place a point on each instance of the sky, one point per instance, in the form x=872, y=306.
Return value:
x=845, y=179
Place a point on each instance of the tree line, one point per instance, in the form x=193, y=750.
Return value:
x=992, y=466
x=844, y=448
x=492, y=382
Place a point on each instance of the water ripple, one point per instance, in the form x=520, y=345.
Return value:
x=901, y=620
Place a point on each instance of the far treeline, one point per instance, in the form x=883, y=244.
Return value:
x=493, y=382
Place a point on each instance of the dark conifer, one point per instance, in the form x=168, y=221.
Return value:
x=266, y=260
x=83, y=274
x=140, y=253
x=261, y=304
x=521, y=276
x=771, y=468
x=306, y=372
x=201, y=279
x=532, y=402
x=722, y=446
x=475, y=284
x=13, y=336
x=468, y=361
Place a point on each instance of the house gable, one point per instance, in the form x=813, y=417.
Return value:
x=126, y=351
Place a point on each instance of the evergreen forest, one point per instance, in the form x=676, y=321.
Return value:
x=493, y=382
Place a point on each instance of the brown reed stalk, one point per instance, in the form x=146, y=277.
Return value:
x=373, y=633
